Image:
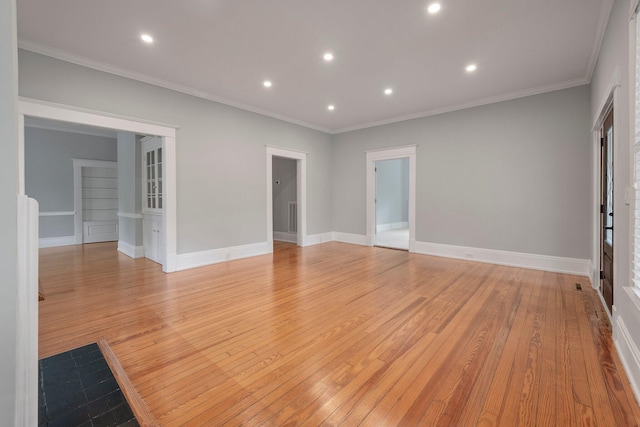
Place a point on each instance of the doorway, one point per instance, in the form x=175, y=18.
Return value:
x=168, y=137
x=406, y=154
x=285, y=199
x=392, y=203
x=606, y=210
x=300, y=214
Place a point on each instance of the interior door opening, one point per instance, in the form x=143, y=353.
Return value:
x=606, y=211
x=295, y=214
x=392, y=203
x=374, y=220
x=285, y=199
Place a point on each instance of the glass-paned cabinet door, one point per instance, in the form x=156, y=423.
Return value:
x=153, y=167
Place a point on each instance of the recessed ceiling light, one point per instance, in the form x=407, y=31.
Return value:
x=471, y=68
x=328, y=56
x=266, y=83
x=434, y=8
x=146, y=38
x=331, y=107
x=388, y=91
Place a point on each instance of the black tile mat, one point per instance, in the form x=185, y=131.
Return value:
x=77, y=388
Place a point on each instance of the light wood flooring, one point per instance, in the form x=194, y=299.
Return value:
x=337, y=334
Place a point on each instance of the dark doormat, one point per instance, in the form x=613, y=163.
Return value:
x=77, y=388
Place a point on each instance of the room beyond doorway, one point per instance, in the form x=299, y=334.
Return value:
x=392, y=203
x=374, y=226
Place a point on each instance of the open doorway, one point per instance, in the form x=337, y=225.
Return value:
x=166, y=135
x=392, y=203
x=300, y=214
x=285, y=200
x=606, y=210
x=379, y=216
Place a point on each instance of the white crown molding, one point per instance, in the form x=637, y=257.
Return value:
x=122, y=72
x=100, y=66
x=486, y=101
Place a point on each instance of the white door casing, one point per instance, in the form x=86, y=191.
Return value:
x=52, y=111
x=301, y=182
x=388, y=154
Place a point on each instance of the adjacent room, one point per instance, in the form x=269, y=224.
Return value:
x=320, y=213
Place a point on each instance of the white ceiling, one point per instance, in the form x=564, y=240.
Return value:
x=224, y=49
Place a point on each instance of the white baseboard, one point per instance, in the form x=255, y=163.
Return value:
x=628, y=352
x=131, y=251
x=392, y=226
x=315, y=239
x=354, y=239
x=52, y=242
x=283, y=236
x=214, y=256
x=581, y=267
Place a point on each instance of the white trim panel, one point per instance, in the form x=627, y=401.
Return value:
x=316, y=239
x=581, y=267
x=392, y=226
x=53, y=242
x=26, y=346
x=69, y=213
x=130, y=215
x=283, y=236
x=628, y=352
x=354, y=239
x=131, y=251
x=214, y=256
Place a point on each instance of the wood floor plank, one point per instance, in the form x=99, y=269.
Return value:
x=337, y=334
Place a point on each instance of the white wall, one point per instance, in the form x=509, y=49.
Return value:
x=8, y=218
x=221, y=167
x=49, y=172
x=511, y=176
x=614, y=60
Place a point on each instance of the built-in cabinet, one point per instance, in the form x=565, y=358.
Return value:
x=152, y=193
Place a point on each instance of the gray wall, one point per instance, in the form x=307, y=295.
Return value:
x=510, y=176
x=49, y=172
x=392, y=191
x=130, y=191
x=8, y=213
x=284, y=171
x=221, y=154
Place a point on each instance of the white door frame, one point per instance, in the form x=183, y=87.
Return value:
x=389, y=154
x=611, y=98
x=301, y=183
x=65, y=113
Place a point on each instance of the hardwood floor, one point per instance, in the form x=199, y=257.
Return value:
x=338, y=334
